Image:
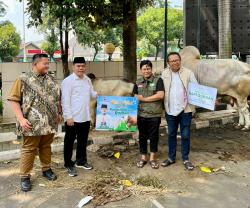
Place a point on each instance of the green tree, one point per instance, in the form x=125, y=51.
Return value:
x=144, y=49
x=113, y=13
x=96, y=13
x=50, y=45
x=175, y=24
x=89, y=37
x=49, y=28
x=159, y=3
x=151, y=26
x=124, y=13
x=62, y=10
x=95, y=37
x=113, y=35
x=9, y=41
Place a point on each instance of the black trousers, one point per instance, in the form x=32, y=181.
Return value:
x=79, y=131
x=148, y=129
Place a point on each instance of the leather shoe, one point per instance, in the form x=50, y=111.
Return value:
x=49, y=175
x=167, y=162
x=25, y=184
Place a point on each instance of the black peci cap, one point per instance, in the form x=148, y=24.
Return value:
x=79, y=60
x=104, y=106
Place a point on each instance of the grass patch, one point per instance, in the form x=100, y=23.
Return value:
x=150, y=181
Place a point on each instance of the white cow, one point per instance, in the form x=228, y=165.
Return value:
x=108, y=88
x=230, y=77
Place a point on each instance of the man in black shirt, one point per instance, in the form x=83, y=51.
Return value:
x=149, y=91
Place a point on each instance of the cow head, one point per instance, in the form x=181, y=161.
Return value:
x=91, y=76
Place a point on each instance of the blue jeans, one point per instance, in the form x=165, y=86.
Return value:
x=184, y=119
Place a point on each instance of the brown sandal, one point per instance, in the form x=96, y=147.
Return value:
x=141, y=163
x=154, y=164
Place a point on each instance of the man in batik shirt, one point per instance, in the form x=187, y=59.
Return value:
x=35, y=101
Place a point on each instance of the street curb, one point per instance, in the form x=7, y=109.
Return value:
x=211, y=119
x=15, y=154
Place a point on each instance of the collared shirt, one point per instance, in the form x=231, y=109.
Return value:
x=76, y=94
x=177, y=95
x=38, y=96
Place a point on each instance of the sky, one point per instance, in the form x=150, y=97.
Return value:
x=15, y=15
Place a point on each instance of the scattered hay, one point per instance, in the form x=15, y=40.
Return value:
x=105, y=188
x=144, y=190
x=148, y=185
x=150, y=181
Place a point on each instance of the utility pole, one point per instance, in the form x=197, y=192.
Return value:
x=166, y=34
x=24, y=48
x=198, y=37
x=225, y=29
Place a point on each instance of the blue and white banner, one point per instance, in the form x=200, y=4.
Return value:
x=116, y=113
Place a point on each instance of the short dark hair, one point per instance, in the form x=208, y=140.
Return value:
x=38, y=56
x=173, y=53
x=146, y=62
x=79, y=60
x=104, y=106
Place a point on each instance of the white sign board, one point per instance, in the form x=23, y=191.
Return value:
x=202, y=96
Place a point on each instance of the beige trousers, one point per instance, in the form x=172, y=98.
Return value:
x=30, y=147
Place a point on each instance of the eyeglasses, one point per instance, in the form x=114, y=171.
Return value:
x=174, y=61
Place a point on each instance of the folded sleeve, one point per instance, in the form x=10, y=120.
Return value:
x=15, y=93
x=135, y=89
x=160, y=85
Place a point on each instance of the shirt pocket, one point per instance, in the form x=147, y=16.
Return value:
x=152, y=87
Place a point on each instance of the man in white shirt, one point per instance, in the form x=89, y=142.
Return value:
x=178, y=111
x=77, y=90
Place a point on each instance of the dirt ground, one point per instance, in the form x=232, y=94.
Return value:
x=224, y=150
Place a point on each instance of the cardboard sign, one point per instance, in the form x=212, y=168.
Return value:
x=202, y=96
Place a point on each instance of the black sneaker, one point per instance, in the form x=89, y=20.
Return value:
x=50, y=175
x=85, y=166
x=72, y=171
x=25, y=184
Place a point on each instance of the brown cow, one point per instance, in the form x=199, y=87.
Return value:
x=230, y=77
x=108, y=88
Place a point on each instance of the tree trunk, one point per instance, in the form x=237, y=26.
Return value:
x=64, y=47
x=156, y=52
x=225, y=32
x=96, y=51
x=129, y=40
x=61, y=34
x=179, y=43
